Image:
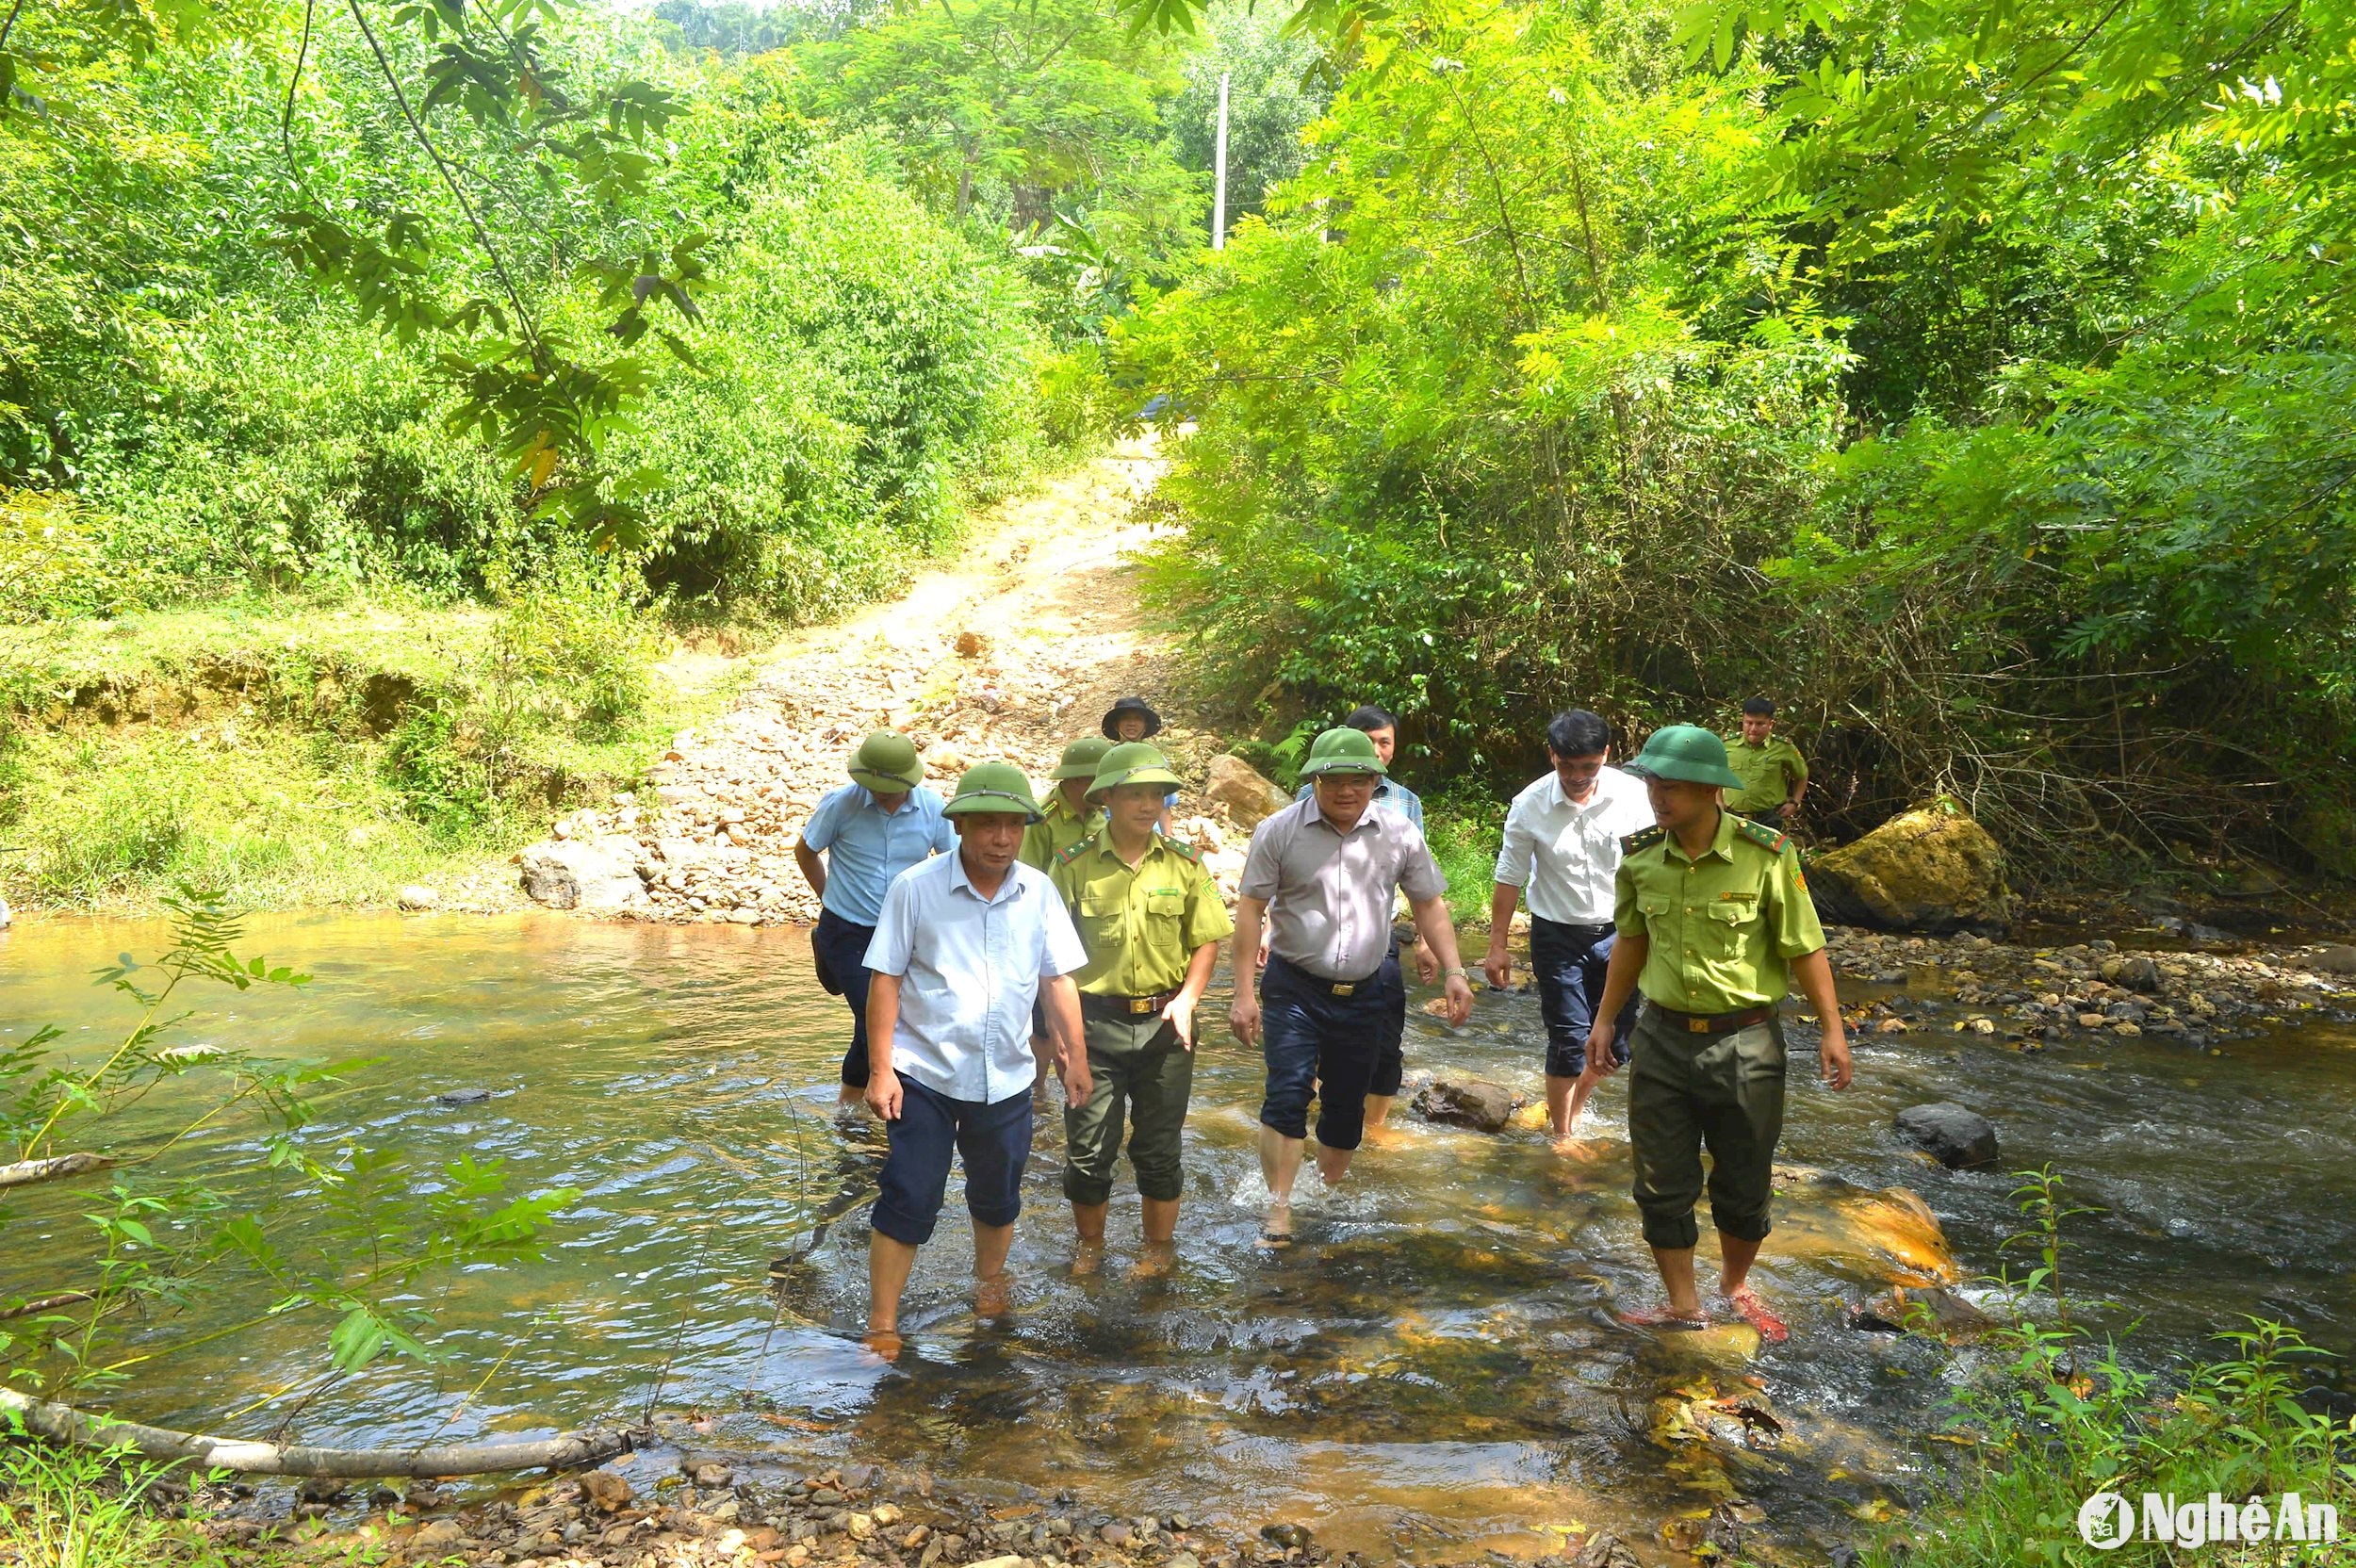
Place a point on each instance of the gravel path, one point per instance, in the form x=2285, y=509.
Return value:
x=1006, y=654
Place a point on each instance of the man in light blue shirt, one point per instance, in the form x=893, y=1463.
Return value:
x=1380, y=725
x=964, y=945
x=870, y=830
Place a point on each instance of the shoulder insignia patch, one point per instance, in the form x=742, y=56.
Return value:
x=1643, y=839
x=1075, y=850
x=1178, y=847
x=1763, y=836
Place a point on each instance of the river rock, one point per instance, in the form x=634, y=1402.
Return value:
x=1932, y=868
x=606, y=1490
x=2337, y=959
x=1604, y=1549
x=7, y=916
x=583, y=874
x=436, y=1535
x=1287, y=1536
x=1472, y=1102
x=1956, y=1136
x=2135, y=971
x=1936, y=1311
x=1235, y=784
x=418, y=897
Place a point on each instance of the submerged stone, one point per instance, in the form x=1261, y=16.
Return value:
x=1956, y=1136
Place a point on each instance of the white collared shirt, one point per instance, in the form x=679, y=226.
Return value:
x=970, y=968
x=1565, y=856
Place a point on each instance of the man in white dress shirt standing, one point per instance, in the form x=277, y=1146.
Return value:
x=965, y=943
x=1563, y=845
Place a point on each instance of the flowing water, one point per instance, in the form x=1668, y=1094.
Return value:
x=1431, y=1367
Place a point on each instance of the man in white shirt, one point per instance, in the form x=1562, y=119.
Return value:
x=965, y=943
x=1563, y=845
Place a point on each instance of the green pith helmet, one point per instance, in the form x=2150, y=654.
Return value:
x=1081, y=757
x=1131, y=762
x=1686, y=752
x=885, y=763
x=1343, y=750
x=993, y=787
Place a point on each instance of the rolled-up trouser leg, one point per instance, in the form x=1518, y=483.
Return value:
x=1664, y=1133
x=1686, y=1092
x=1742, y=1119
x=1390, y=1056
x=1091, y=1132
x=1161, y=1084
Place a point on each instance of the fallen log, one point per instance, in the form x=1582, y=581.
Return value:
x=49, y=1170
x=45, y=1303
x=64, y=1424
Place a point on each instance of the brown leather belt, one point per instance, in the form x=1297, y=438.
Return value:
x=1127, y=1006
x=1714, y=1023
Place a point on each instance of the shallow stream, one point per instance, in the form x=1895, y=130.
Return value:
x=1432, y=1369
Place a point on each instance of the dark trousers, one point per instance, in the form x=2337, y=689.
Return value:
x=1390, y=1051
x=993, y=1141
x=1568, y=962
x=840, y=950
x=1318, y=1046
x=1687, y=1092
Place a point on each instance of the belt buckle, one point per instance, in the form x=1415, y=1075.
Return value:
x=1141, y=1005
x=1345, y=987
x=1695, y=1025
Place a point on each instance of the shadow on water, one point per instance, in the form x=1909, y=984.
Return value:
x=1433, y=1364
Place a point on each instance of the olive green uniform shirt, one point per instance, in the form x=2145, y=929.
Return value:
x=1062, y=828
x=1723, y=928
x=1769, y=773
x=1141, y=926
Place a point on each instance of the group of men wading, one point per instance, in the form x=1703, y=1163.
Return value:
x=986, y=941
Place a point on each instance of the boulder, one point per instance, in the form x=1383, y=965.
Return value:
x=2337, y=959
x=418, y=897
x=583, y=874
x=1484, y=1107
x=1235, y=784
x=1932, y=868
x=1934, y=1310
x=1956, y=1136
x=6, y=915
x=2133, y=971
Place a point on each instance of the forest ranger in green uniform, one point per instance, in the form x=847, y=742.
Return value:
x=1773, y=775
x=1151, y=919
x=1714, y=920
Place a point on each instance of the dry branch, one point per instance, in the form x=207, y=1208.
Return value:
x=64, y=1424
x=49, y=1170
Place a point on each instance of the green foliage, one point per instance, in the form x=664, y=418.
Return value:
x=1966, y=375
x=1274, y=93
x=1462, y=455
x=82, y=1508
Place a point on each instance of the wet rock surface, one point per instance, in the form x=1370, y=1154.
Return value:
x=1469, y=1102
x=2033, y=997
x=1956, y=1136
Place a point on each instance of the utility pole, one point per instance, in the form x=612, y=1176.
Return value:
x=1219, y=174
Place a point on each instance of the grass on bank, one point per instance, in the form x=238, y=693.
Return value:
x=293, y=752
x=76, y=1508
x=2060, y=1419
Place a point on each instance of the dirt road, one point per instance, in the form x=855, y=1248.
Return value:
x=1006, y=654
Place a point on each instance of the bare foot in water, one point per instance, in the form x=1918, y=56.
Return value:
x=886, y=1343
x=1160, y=1258
x=1276, y=1229
x=993, y=1296
x=1086, y=1258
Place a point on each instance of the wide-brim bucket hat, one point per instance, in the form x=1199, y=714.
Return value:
x=1685, y=752
x=1131, y=762
x=1081, y=757
x=994, y=787
x=885, y=762
x=1131, y=705
x=1343, y=750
